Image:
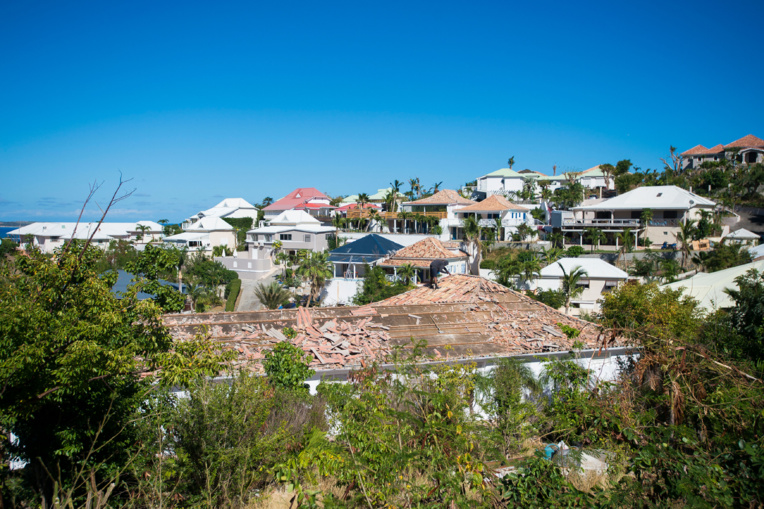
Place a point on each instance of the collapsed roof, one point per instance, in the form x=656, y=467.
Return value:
x=467, y=317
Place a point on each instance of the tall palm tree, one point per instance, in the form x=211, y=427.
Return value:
x=570, y=287
x=497, y=223
x=436, y=187
x=374, y=217
x=472, y=233
x=416, y=188
x=272, y=295
x=316, y=269
x=180, y=260
x=607, y=173
x=595, y=236
x=143, y=229
x=684, y=237
x=362, y=200
x=406, y=273
x=511, y=162
x=529, y=267
x=626, y=239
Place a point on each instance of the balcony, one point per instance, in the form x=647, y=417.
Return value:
x=487, y=223
x=389, y=216
x=600, y=223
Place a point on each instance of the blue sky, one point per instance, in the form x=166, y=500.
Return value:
x=196, y=101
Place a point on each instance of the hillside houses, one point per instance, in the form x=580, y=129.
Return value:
x=49, y=236
x=308, y=199
x=233, y=208
x=746, y=150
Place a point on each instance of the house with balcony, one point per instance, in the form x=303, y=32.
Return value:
x=421, y=254
x=294, y=229
x=205, y=234
x=594, y=178
x=307, y=199
x=49, y=236
x=600, y=278
x=668, y=206
x=233, y=208
x=488, y=212
x=747, y=150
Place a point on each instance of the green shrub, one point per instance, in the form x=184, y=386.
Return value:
x=287, y=366
x=232, y=293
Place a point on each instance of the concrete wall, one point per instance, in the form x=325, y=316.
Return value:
x=340, y=291
x=588, y=301
x=246, y=268
x=223, y=238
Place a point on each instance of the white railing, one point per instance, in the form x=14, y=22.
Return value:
x=488, y=223
x=599, y=223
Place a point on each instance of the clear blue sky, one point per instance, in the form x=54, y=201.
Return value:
x=197, y=101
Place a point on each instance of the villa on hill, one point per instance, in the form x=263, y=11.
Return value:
x=747, y=150
x=47, y=237
x=423, y=253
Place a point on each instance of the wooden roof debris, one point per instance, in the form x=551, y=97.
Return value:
x=467, y=316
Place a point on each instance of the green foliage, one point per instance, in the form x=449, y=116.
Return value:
x=242, y=225
x=376, y=287
x=227, y=437
x=70, y=362
x=315, y=268
x=272, y=295
x=232, y=293
x=149, y=267
x=570, y=332
x=723, y=256
x=552, y=298
x=539, y=484
x=649, y=312
x=574, y=251
x=289, y=332
x=287, y=366
x=408, y=439
x=7, y=246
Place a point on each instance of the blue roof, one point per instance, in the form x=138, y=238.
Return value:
x=368, y=248
x=124, y=279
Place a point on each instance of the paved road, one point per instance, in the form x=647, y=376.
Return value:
x=248, y=301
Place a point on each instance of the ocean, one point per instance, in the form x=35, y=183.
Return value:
x=4, y=231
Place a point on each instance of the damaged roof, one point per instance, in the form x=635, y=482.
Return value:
x=467, y=317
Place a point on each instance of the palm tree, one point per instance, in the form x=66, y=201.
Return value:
x=523, y=230
x=570, y=287
x=607, y=173
x=406, y=273
x=363, y=199
x=626, y=240
x=472, y=233
x=511, y=162
x=373, y=217
x=180, y=261
x=143, y=229
x=557, y=239
x=316, y=269
x=551, y=254
x=416, y=188
x=595, y=236
x=497, y=223
x=272, y=295
x=684, y=237
x=436, y=187
x=529, y=267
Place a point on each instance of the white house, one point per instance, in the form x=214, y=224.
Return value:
x=710, y=290
x=230, y=207
x=670, y=206
x=487, y=212
x=205, y=234
x=601, y=278
x=48, y=236
x=294, y=229
x=743, y=236
x=502, y=181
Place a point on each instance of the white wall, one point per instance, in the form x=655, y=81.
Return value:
x=340, y=291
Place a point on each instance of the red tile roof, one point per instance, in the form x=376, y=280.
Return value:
x=494, y=203
x=425, y=251
x=444, y=197
x=697, y=149
x=349, y=206
x=746, y=142
x=297, y=197
x=314, y=206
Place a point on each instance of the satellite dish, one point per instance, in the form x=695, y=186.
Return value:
x=692, y=202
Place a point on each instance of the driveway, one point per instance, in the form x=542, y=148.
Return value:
x=247, y=300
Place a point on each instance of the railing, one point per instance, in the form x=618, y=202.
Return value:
x=599, y=223
x=364, y=213
x=663, y=222
x=487, y=223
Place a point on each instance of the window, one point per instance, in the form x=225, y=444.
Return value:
x=669, y=214
x=306, y=238
x=285, y=236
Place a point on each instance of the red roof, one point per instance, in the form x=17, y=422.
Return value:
x=746, y=142
x=697, y=149
x=297, y=197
